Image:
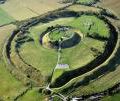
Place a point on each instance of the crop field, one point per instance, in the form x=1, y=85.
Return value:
x=59, y=50
x=112, y=5
x=27, y=8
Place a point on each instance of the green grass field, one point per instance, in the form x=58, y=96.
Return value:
x=5, y=18
x=10, y=87
x=91, y=25
x=115, y=97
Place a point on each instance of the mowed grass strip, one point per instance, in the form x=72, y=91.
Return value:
x=5, y=18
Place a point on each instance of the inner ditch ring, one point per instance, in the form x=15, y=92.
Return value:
x=64, y=35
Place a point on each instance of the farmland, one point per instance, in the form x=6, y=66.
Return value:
x=59, y=50
x=27, y=9
x=112, y=5
x=5, y=18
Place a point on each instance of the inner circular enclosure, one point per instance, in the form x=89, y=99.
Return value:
x=60, y=35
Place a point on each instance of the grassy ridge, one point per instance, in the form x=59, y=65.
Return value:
x=86, y=1
x=9, y=86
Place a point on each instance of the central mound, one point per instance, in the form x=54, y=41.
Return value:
x=63, y=36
